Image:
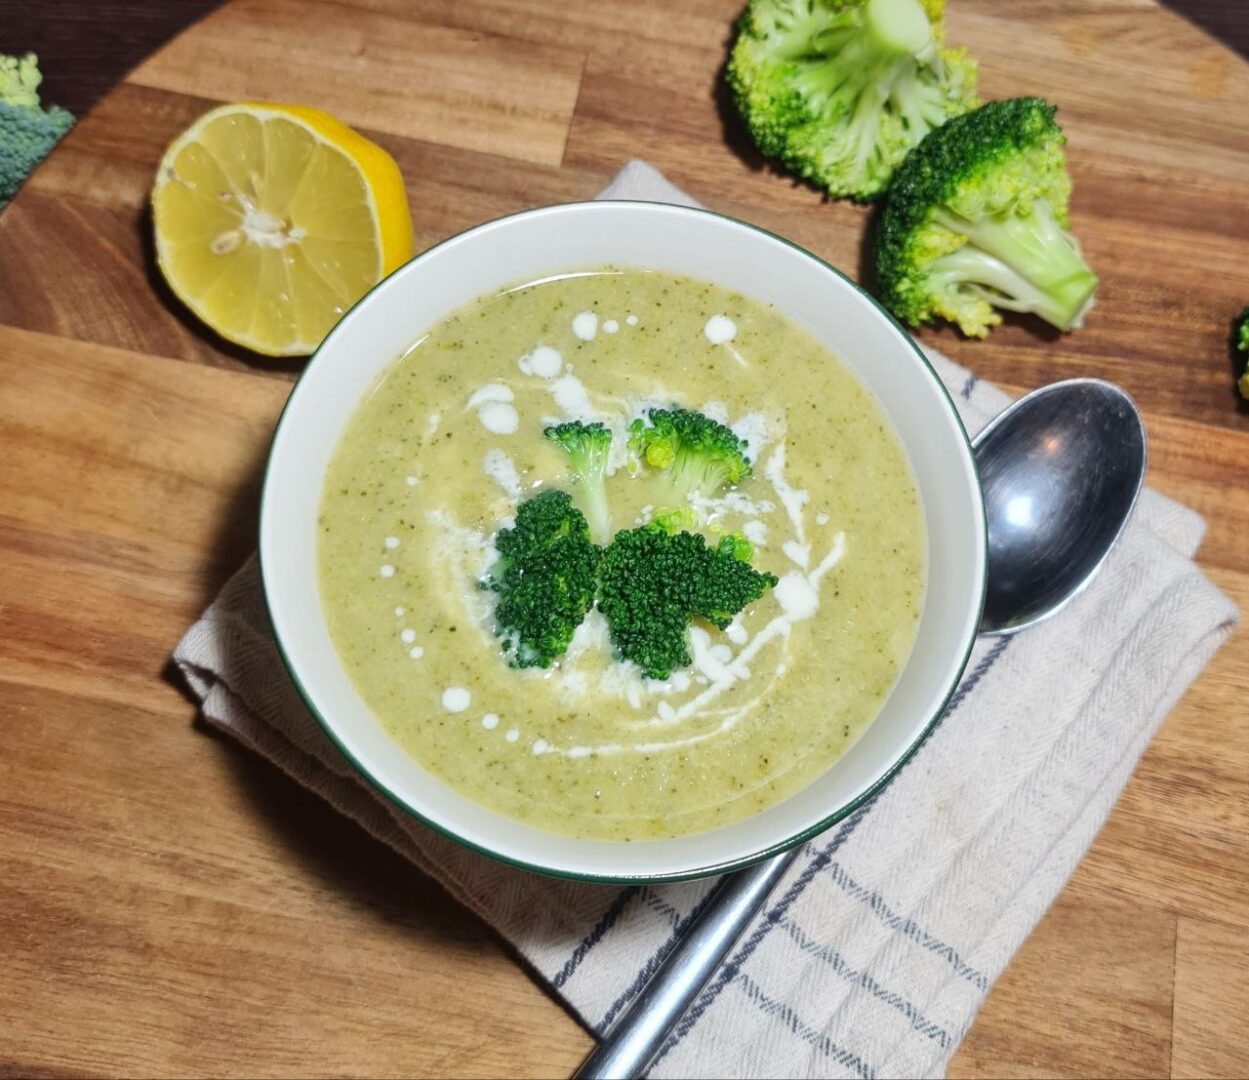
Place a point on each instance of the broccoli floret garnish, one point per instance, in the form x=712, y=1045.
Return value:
x=675, y=519
x=841, y=90
x=976, y=220
x=737, y=545
x=1242, y=346
x=652, y=583
x=698, y=455
x=27, y=131
x=587, y=447
x=544, y=579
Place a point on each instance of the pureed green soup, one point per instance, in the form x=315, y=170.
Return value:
x=439, y=454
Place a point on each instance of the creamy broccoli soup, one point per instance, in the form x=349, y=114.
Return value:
x=437, y=459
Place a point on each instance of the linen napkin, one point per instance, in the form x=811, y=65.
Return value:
x=874, y=954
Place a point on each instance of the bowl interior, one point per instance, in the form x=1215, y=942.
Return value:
x=703, y=245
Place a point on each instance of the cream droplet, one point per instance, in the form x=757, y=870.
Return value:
x=499, y=418
x=632, y=320
x=539, y=746
x=411, y=481
x=398, y=613
x=545, y=362
x=456, y=699
x=416, y=652
x=408, y=636
x=585, y=325
x=610, y=326
x=391, y=542
x=386, y=570
x=720, y=329
x=490, y=721
x=512, y=735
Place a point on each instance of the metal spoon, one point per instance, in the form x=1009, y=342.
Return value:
x=1060, y=469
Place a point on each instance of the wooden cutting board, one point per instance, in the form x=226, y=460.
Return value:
x=169, y=905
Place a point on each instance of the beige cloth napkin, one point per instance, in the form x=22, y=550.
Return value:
x=875, y=952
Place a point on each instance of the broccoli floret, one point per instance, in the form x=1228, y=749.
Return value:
x=675, y=519
x=698, y=455
x=27, y=131
x=653, y=583
x=587, y=447
x=976, y=220
x=544, y=579
x=737, y=545
x=840, y=90
x=1242, y=346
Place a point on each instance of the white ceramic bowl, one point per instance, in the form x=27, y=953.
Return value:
x=703, y=245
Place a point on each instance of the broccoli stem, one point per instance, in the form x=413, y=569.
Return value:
x=899, y=27
x=1030, y=261
x=598, y=514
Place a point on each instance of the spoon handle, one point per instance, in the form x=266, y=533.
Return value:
x=627, y=1049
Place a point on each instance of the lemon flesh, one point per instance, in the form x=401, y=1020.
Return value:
x=272, y=220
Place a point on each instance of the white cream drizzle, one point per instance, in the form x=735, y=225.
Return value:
x=793, y=499
x=544, y=362
x=502, y=470
x=756, y=532
x=488, y=393
x=572, y=398
x=499, y=417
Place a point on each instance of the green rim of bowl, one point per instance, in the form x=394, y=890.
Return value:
x=715, y=869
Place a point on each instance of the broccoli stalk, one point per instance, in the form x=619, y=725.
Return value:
x=977, y=220
x=653, y=583
x=544, y=580
x=698, y=455
x=840, y=90
x=587, y=447
x=27, y=131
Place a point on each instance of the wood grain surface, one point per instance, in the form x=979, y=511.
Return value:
x=171, y=906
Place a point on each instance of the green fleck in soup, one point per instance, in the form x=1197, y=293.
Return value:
x=436, y=460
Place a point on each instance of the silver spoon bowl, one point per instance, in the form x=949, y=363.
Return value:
x=1060, y=470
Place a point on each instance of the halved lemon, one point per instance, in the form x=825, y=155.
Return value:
x=272, y=220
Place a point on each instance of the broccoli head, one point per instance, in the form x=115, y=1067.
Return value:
x=976, y=220
x=1242, y=346
x=544, y=579
x=841, y=90
x=27, y=131
x=587, y=447
x=652, y=583
x=698, y=455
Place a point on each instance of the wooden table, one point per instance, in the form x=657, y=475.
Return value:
x=169, y=905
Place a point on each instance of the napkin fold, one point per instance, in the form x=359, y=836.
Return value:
x=874, y=954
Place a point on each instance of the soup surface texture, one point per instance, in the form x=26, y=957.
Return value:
x=438, y=455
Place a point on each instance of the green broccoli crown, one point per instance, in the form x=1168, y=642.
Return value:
x=653, y=583
x=27, y=131
x=840, y=90
x=1242, y=344
x=587, y=447
x=976, y=220
x=544, y=579
x=698, y=454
